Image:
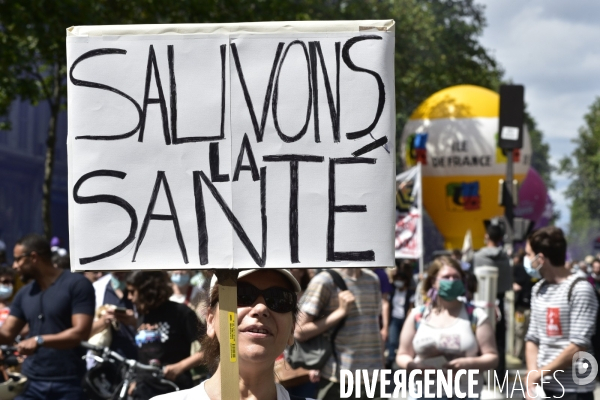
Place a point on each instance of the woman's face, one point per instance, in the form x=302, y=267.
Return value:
x=262, y=334
x=446, y=272
x=133, y=295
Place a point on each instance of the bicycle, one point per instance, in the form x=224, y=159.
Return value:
x=99, y=382
x=11, y=383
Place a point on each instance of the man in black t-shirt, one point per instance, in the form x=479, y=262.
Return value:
x=59, y=307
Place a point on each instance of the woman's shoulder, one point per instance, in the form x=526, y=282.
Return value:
x=476, y=315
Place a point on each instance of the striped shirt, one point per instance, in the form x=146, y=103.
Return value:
x=556, y=322
x=358, y=344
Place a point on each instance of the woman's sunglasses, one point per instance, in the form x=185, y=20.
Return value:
x=276, y=298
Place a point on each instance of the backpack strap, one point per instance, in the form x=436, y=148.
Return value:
x=420, y=311
x=580, y=279
x=544, y=283
x=337, y=279
x=339, y=282
x=570, y=293
x=472, y=315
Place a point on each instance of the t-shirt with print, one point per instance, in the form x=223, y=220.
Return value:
x=4, y=312
x=166, y=334
x=358, y=344
x=555, y=323
x=454, y=341
x=49, y=312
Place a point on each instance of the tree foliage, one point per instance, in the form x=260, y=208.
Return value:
x=540, y=158
x=583, y=168
x=437, y=44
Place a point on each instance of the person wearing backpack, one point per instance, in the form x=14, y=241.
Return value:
x=447, y=334
x=494, y=255
x=358, y=344
x=564, y=308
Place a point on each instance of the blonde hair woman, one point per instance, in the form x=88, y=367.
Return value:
x=447, y=334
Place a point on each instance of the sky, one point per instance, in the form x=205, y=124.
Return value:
x=551, y=47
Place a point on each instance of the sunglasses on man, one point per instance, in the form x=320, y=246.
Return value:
x=277, y=299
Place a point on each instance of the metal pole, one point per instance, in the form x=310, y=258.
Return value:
x=508, y=199
x=509, y=215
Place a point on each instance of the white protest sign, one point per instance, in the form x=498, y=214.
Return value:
x=231, y=149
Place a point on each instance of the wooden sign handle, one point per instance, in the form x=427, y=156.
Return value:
x=230, y=372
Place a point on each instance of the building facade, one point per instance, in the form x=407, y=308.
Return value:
x=22, y=154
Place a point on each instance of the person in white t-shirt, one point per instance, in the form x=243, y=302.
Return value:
x=267, y=311
x=447, y=334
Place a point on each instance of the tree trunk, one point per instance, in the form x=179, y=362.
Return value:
x=49, y=162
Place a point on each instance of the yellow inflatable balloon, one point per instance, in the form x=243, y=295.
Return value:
x=454, y=135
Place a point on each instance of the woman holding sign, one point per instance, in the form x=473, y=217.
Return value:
x=446, y=334
x=267, y=309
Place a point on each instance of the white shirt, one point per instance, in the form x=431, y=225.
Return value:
x=454, y=341
x=398, y=303
x=199, y=393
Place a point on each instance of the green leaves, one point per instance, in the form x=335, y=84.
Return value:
x=437, y=41
x=583, y=167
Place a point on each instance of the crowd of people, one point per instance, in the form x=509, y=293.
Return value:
x=383, y=318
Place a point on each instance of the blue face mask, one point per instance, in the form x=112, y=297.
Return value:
x=117, y=284
x=180, y=279
x=450, y=290
x=534, y=273
x=6, y=291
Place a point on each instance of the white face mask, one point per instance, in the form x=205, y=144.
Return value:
x=6, y=291
x=533, y=272
x=399, y=284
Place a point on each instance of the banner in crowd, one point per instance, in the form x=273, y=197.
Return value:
x=409, y=235
x=231, y=146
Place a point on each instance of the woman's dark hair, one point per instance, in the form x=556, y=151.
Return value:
x=210, y=345
x=154, y=288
